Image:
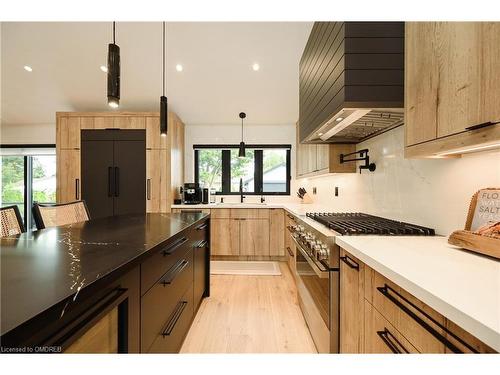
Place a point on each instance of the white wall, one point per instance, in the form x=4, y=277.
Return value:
x=28, y=134
x=429, y=192
x=231, y=134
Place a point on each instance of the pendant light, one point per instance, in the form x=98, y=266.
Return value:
x=163, y=98
x=113, y=72
x=241, y=153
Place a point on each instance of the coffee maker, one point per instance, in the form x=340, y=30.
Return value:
x=191, y=193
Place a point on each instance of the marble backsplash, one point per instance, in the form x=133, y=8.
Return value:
x=430, y=192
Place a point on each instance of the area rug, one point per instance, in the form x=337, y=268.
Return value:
x=219, y=267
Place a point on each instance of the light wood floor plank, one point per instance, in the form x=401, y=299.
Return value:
x=250, y=314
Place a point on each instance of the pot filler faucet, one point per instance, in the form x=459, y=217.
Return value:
x=241, y=191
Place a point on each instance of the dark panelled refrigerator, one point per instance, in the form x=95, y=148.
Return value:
x=113, y=167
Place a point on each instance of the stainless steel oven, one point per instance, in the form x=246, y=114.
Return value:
x=317, y=275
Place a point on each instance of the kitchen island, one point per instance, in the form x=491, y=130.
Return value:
x=59, y=283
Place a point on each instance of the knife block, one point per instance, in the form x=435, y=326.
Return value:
x=306, y=199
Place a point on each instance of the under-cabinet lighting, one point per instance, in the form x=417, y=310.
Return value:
x=470, y=149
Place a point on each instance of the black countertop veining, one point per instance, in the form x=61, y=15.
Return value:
x=43, y=268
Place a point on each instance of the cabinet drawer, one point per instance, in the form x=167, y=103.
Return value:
x=250, y=213
x=381, y=336
x=200, y=232
x=161, y=301
x=170, y=337
x=220, y=213
x=414, y=319
x=155, y=266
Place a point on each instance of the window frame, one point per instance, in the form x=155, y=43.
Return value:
x=258, y=166
x=28, y=180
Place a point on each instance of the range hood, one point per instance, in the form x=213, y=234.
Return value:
x=351, y=81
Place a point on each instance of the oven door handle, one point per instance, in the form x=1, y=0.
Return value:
x=322, y=273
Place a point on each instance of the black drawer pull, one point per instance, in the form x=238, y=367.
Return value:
x=202, y=244
x=148, y=189
x=174, y=318
x=386, y=290
x=77, y=189
x=392, y=342
x=482, y=125
x=290, y=252
x=170, y=249
x=203, y=226
x=350, y=262
x=174, y=272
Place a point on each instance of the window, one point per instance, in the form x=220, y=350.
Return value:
x=28, y=175
x=264, y=170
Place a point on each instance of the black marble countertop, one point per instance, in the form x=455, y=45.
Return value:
x=43, y=268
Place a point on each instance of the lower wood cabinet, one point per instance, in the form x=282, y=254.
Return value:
x=351, y=303
x=378, y=316
x=276, y=232
x=254, y=237
x=225, y=236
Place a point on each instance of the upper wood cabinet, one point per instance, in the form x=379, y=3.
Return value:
x=164, y=156
x=452, y=84
x=317, y=159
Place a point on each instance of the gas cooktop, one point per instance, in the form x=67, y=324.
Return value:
x=357, y=223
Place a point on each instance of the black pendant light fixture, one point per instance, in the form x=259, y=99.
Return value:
x=241, y=153
x=163, y=98
x=113, y=72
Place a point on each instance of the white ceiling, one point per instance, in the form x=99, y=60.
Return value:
x=216, y=84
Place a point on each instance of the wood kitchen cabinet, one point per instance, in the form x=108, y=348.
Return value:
x=254, y=237
x=318, y=159
x=276, y=232
x=68, y=183
x=225, y=236
x=352, y=303
x=451, y=85
x=164, y=155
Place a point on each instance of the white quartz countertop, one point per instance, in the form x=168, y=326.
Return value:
x=462, y=286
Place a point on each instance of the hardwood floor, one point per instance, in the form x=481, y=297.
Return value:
x=250, y=314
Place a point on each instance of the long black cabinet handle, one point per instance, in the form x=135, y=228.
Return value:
x=350, y=262
x=482, y=125
x=202, y=226
x=388, y=292
x=117, y=182
x=77, y=189
x=174, y=272
x=110, y=182
x=169, y=250
x=174, y=318
x=289, y=251
x=148, y=189
x=392, y=342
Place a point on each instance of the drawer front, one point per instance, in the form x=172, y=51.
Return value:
x=170, y=338
x=381, y=336
x=291, y=253
x=250, y=213
x=155, y=266
x=220, y=213
x=199, y=232
x=158, y=304
x=414, y=319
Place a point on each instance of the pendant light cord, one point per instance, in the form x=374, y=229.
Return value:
x=114, y=33
x=242, y=130
x=163, y=58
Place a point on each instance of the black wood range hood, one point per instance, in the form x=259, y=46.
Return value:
x=351, y=81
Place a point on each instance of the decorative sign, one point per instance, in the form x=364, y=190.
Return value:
x=487, y=210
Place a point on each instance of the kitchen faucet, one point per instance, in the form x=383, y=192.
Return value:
x=241, y=191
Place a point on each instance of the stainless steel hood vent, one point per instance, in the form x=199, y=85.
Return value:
x=356, y=125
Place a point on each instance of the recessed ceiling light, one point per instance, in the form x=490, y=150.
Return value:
x=28, y=68
x=179, y=68
x=104, y=68
x=338, y=119
x=255, y=67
